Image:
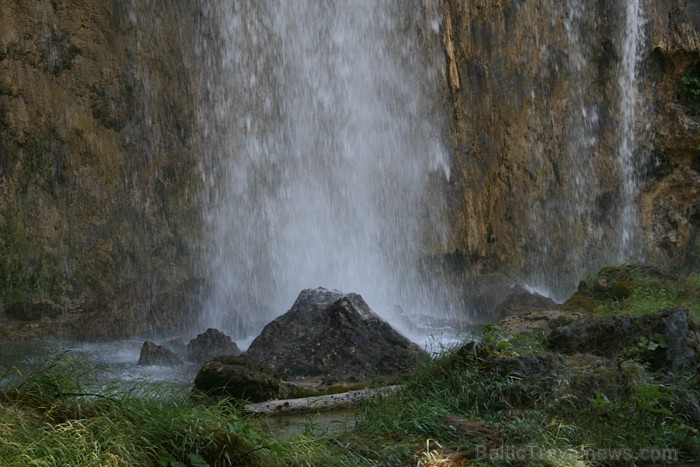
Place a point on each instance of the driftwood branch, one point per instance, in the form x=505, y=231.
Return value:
x=338, y=401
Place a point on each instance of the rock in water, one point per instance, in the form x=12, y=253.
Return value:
x=329, y=333
x=210, y=344
x=153, y=354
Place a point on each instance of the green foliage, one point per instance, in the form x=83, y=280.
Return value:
x=50, y=415
x=653, y=290
x=692, y=86
x=54, y=416
x=653, y=343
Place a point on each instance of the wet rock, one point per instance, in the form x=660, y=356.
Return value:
x=667, y=339
x=178, y=308
x=522, y=302
x=237, y=377
x=177, y=345
x=132, y=314
x=538, y=321
x=153, y=354
x=488, y=291
x=210, y=344
x=329, y=333
x=23, y=311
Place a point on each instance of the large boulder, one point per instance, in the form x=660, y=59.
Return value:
x=232, y=376
x=210, y=344
x=335, y=335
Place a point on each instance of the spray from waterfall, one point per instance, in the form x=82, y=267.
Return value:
x=324, y=135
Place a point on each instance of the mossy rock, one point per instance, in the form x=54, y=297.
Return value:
x=580, y=302
x=621, y=290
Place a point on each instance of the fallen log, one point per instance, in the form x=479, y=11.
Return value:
x=338, y=401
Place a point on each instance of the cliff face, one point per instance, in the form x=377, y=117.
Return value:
x=537, y=91
x=670, y=209
x=98, y=149
x=101, y=144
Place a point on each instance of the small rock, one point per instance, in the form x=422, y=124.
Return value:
x=153, y=354
x=522, y=302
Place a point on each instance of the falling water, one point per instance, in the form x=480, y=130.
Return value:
x=630, y=113
x=592, y=219
x=324, y=133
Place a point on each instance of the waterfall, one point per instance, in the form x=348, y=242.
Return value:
x=630, y=111
x=591, y=221
x=323, y=132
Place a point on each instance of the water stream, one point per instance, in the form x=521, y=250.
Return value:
x=631, y=112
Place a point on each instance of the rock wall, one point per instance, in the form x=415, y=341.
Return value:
x=535, y=131
x=671, y=199
x=98, y=148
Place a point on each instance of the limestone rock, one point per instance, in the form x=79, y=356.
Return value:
x=667, y=339
x=94, y=197
x=211, y=344
x=515, y=171
x=130, y=314
x=329, y=333
x=153, y=354
x=232, y=376
x=522, y=302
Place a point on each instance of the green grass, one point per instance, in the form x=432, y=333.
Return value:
x=457, y=404
x=651, y=291
x=51, y=419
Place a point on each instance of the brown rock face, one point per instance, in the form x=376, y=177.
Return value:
x=100, y=148
x=671, y=201
x=97, y=137
x=537, y=191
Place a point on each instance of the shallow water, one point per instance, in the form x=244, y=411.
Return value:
x=113, y=362
x=115, y=368
x=117, y=361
